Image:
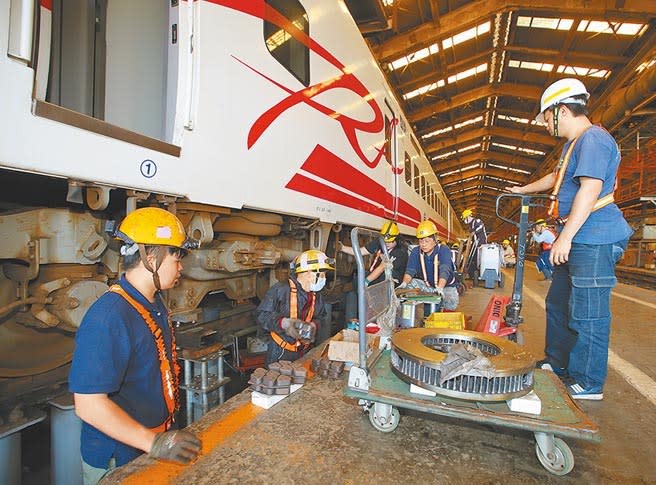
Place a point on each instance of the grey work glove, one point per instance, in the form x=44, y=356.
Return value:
x=438, y=291
x=298, y=329
x=402, y=286
x=179, y=446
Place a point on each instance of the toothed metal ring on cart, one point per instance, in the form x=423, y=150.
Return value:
x=417, y=355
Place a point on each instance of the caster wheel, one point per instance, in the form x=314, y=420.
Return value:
x=562, y=461
x=517, y=337
x=385, y=424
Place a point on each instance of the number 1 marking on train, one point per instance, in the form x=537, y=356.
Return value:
x=148, y=169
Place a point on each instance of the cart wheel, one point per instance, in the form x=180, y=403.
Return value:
x=475, y=279
x=562, y=461
x=384, y=424
x=502, y=280
x=517, y=337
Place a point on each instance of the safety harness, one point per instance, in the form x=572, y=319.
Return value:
x=435, y=268
x=170, y=373
x=560, y=176
x=293, y=313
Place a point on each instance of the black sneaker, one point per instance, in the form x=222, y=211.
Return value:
x=546, y=365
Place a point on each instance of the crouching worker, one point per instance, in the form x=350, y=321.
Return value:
x=431, y=261
x=509, y=258
x=292, y=310
x=124, y=374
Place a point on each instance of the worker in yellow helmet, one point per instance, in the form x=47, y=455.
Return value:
x=478, y=238
x=432, y=263
x=508, y=254
x=544, y=237
x=592, y=236
x=293, y=310
x=396, y=249
x=125, y=376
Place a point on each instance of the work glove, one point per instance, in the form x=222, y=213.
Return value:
x=179, y=446
x=299, y=329
x=438, y=291
x=402, y=286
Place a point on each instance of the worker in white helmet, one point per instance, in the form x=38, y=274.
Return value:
x=592, y=236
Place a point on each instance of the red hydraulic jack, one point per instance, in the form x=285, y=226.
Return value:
x=494, y=320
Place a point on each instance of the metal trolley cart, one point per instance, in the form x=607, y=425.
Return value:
x=382, y=393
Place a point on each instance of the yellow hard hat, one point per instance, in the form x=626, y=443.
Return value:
x=312, y=260
x=389, y=231
x=466, y=213
x=540, y=222
x=154, y=226
x=425, y=229
x=505, y=241
x=455, y=245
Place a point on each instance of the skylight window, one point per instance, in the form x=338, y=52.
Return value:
x=503, y=167
x=530, y=151
x=466, y=35
x=545, y=23
x=414, y=57
x=583, y=71
x=523, y=121
x=536, y=66
x=445, y=174
x=452, y=79
x=388, y=3
x=603, y=27
x=434, y=48
x=646, y=65
x=454, y=127
x=459, y=150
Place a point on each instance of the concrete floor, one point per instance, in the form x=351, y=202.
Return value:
x=318, y=436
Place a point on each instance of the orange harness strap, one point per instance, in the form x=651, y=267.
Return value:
x=170, y=373
x=375, y=261
x=560, y=176
x=423, y=269
x=293, y=313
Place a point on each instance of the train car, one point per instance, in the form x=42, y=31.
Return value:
x=265, y=125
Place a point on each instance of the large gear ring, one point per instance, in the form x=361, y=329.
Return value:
x=418, y=352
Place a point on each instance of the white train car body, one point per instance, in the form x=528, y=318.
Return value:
x=212, y=108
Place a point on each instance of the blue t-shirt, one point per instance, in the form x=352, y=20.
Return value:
x=445, y=265
x=596, y=156
x=115, y=354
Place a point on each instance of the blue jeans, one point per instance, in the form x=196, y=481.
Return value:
x=544, y=265
x=578, y=312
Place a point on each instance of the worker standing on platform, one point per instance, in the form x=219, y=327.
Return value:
x=544, y=237
x=479, y=237
x=432, y=262
x=292, y=310
x=592, y=236
x=396, y=249
x=125, y=374
x=508, y=254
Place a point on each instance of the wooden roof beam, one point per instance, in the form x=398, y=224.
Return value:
x=515, y=161
x=495, y=131
x=477, y=12
x=505, y=89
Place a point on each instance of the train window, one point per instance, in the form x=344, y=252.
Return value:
x=415, y=180
x=423, y=187
x=388, y=141
x=408, y=169
x=292, y=54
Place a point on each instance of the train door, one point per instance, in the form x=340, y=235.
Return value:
x=116, y=61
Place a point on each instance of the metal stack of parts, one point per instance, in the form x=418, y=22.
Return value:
x=325, y=367
x=278, y=379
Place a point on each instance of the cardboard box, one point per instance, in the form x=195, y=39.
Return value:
x=345, y=347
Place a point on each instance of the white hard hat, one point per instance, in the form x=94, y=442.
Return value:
x=562, y=91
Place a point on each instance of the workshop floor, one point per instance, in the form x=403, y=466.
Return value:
x=318, y=436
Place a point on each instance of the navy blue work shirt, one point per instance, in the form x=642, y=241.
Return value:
x=115, y=354
x=596, y=156
x=445, y=267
